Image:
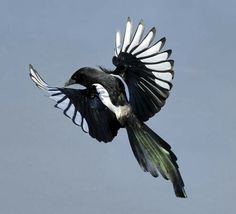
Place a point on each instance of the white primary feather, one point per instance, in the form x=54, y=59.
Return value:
x=70, y=112
x=152, y=50
x=118, y=43
x=162, y=84
x=163, y=66
x=58, y=96
x=84, y=125
x=37, y=79
x=157, y=58
x=64, y=104
x=167, y=76
x=146, y=42
x=153, y=85
x=127, y=37
x=137, y=37
x=78, y=118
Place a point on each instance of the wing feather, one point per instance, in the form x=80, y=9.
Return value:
x=137, y=36
x=85, y=111
x=127, y=37
x=147, y=71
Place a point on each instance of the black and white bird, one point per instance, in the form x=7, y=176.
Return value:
x=125, y=97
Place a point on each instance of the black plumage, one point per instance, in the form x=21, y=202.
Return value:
x=125, y=97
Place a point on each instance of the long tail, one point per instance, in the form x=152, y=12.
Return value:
x=154, y=154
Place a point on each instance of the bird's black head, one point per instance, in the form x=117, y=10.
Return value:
x=79, y=77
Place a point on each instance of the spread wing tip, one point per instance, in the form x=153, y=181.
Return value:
x=37, y=79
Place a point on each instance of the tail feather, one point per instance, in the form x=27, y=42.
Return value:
x=154, y=154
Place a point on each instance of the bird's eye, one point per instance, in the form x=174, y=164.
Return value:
x=75, y=77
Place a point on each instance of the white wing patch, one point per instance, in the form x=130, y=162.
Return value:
x=125, y=85
x=104, y=97
x=62, y=101
x=106, y=100
x=150, y=55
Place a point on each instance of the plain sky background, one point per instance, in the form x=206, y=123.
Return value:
x=48, y=165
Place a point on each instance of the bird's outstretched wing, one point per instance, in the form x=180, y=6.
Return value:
x=83, y=108
x=146, y=69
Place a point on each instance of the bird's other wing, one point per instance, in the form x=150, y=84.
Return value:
x=146, y=69
x=82, y=108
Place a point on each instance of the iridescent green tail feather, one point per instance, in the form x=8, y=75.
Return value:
x=154, y=155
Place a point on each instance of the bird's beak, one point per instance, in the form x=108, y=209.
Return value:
x=70, y=82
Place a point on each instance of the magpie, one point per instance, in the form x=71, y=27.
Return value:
x=125, y=97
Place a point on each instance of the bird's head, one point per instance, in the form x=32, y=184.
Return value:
x=78, y=77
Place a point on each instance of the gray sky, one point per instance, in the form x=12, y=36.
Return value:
x=48, y=165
